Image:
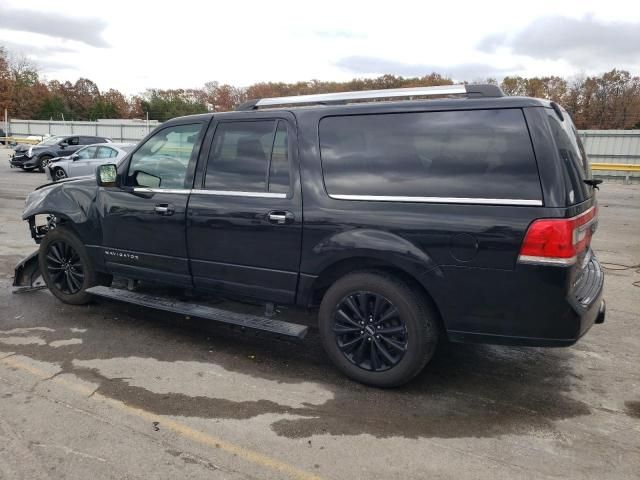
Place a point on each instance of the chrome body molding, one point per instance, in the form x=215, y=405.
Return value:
x=183, y=191
x=230, y=193
x=559, y=262
x=477, y=201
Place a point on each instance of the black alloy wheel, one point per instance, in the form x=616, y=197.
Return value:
x=65, y=267
x=369, y=331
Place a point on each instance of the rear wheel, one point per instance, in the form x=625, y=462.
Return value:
x=66, y=267
x=43, y=162
x=377, y=329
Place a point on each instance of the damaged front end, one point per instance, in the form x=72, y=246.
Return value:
x=27, y=275
x=69, y=199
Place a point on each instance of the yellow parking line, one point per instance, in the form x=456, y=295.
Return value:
x=177, y=427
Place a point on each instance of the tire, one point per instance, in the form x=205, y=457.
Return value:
x=58, y=174
x=66, y=267
x=414, y=328
x=43, y=161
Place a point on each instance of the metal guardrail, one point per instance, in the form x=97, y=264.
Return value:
x=16, y=140
x=616, y=167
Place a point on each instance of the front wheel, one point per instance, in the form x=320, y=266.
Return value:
x=44, y=162
x=59, y=174
x=66, y=267
x=377, y=329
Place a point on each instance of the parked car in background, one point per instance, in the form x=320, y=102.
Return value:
x=84, y=161
x=3, y=137
x=29, y=157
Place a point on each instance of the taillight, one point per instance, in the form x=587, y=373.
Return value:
x=558, y=241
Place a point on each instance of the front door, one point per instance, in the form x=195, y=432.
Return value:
x=70, y=145
x=81, y=164
x=244, y=221
x=144, y=219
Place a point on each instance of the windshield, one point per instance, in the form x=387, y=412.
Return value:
x=50, y=141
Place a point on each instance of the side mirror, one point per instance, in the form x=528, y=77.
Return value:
x=106, y=175
x=75, y=156
x=62, y=145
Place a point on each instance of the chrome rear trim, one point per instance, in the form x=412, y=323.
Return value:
x=477, y=201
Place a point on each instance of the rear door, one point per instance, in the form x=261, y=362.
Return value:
x=244, y=221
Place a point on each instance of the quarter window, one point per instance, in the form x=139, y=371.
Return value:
x=249, y=157
x=162, y=161
x=463, y=154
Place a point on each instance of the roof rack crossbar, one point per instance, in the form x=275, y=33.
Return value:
x=326, y=98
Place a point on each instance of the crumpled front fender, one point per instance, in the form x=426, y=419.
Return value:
x=65, y=199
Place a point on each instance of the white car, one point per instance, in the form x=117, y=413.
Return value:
x=85, y=161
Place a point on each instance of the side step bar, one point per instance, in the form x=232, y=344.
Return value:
x=201, y=311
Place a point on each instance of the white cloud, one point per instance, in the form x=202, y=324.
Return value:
x=146, y=44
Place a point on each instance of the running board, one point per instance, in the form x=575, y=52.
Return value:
x=201, y=311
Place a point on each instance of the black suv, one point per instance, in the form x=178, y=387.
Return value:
x=405, y=222
x=38, y=156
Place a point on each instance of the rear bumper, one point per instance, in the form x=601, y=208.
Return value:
x=531, y=306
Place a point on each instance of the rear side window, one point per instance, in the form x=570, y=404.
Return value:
x=573, y=157
x=476, y=154
x=249, y=157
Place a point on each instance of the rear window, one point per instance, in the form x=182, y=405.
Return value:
x=573, y=157
x=479, y=154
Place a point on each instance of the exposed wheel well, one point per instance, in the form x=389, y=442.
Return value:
x=344, y=267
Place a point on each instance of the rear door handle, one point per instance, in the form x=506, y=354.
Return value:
x=165, y=209
x=280, y=217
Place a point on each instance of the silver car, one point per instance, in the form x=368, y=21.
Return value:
x=86, y=160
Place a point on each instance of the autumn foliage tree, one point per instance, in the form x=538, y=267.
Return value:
x=607, y=101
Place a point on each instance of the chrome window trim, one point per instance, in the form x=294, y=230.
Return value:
x=195, y=191
x=234, y=193
x=476, y=201
x=162, y=190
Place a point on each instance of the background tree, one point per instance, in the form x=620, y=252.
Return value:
x=609, y=100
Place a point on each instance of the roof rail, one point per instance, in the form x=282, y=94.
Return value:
x=342, y=97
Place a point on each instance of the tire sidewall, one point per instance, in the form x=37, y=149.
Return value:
x=55, y=174
x=44, y=158
x=420, y=324
x=63, y=234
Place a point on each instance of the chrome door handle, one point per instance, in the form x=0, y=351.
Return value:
x=164, y=209
x=278, y=218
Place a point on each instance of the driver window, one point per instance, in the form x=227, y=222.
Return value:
x=162, y=161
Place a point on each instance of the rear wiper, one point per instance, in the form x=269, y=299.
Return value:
x=593, y=182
